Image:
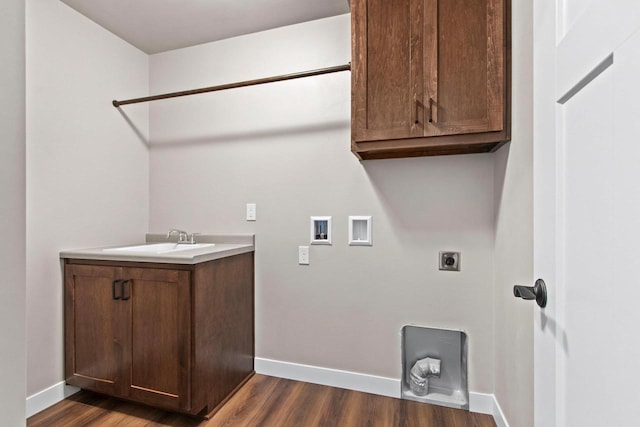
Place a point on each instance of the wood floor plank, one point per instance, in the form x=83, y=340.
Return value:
x=353, y=409
x=265, y=402
x=333, y=407
x=246, y=404
x=379, y=411
x=78, y=410
x=304, y=406
x=280, y=410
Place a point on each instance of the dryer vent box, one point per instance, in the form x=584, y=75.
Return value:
x=450, y=348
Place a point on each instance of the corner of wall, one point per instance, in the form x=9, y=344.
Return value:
x=513, y=251
x=12, y=214
x=48, y=397
x=87, y=162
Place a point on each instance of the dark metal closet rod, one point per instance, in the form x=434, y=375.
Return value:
x=280, y=78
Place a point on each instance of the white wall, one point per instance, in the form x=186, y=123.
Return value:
x=514, y=235
x=12, y=214
x=87, y=164
x=285, y=146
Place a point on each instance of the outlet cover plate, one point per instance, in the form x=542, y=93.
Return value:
x=449, y=261
x=251, y=211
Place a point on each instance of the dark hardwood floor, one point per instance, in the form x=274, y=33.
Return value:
x=265, y=401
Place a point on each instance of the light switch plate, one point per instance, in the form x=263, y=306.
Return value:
x=449, y=261
x=251, y=211
x=303, y=255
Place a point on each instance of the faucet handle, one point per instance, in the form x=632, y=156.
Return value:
x=192, y=238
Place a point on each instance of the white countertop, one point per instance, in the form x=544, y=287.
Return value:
x=225, y=245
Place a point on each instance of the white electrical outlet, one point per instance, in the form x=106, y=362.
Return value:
x=303, y=255
x=251, y=211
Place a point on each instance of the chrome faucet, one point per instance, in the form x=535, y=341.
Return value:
x=183, y=236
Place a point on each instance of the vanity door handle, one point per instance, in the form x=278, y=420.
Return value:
x=123, y=287
x=113, y=290
x=430, y=110
x=416, y=118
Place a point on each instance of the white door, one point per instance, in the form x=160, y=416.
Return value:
x=587, y=212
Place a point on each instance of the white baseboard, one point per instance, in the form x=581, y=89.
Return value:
x=482, y=403
x=48, y=397
x=498, y=415
x=331, y=377
x=478, y=402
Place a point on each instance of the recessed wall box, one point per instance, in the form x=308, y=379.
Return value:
x=446, y=387
x=320, y=230
x=360, y=231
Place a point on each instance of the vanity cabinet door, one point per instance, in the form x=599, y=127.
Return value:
x=128, y=333
x=177, y=337
x=158, y=365
x=96, y=343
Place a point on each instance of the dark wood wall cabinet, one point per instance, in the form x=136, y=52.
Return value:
x=429, y=77
x=179, y=337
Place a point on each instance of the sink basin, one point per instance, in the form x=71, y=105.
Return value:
x=159, y=248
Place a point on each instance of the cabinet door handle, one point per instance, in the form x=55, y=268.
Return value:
x=416, y=121
x=125, y=295
x=430, y=110
x=113, y=290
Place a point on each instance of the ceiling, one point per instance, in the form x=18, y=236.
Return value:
x=159, y=25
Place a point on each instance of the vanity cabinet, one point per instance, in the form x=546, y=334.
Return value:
x=429, y=77
x=175, y=336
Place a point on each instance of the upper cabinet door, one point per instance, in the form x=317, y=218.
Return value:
x=387, y=83
x=464, y=66
x=429, y=77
